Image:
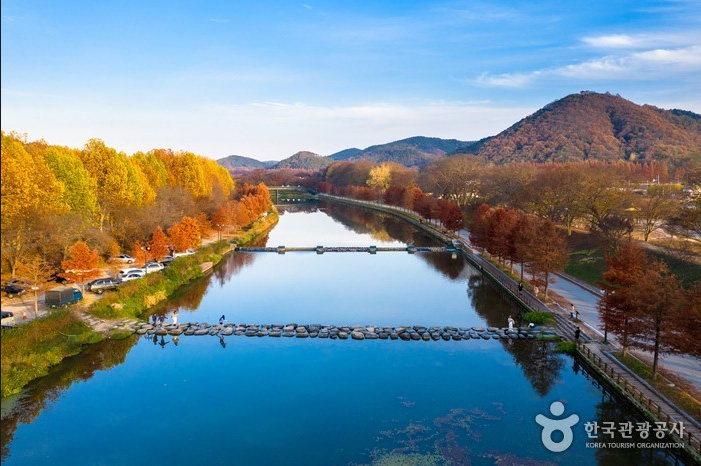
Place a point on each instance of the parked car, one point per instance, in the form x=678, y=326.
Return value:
x=187, y=252
x=60, y=297
x=132, y=276
x=125, y=258
x=13, y=290
x=8, y=319
x=153, y=267
x=59, y=279
x=101, y=285
x=122, y=273
x=20, y=283
x=167, y=261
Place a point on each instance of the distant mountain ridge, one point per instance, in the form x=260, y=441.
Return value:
x=304, y=160
x=583, y=126
x=415, y=151
x=233, y=162
x=596, y=126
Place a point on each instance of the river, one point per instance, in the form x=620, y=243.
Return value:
x=241, y=400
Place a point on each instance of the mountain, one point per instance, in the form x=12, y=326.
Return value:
x=416, y=151
x=596, y=126
x=233, y=162
x=304, y=160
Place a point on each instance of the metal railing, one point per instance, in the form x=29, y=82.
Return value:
x=640, y=399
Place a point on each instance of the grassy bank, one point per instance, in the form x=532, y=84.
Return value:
x=134, y=298
x=675, y=394
x=587, y=261
x=29, y=351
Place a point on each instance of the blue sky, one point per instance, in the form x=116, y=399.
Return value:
x=266, y=79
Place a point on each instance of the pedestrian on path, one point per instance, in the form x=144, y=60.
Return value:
x=572, y=311
x=175, y=317
x=577, y=332
x=520, y=289
x=511, y=323
x=535, y=291
x=222, y=319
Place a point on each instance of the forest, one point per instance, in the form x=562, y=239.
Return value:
x=61, y=204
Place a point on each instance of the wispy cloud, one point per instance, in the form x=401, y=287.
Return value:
x=648, y=40
x=647, y=64
x=307, y=7
x=219, y=20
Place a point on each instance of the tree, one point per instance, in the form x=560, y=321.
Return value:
x=522, y=239
x=458, y=178
x=81, y=264
x=656, y=207
x=379, y=177
x=616, y=306
x=657, y=298
x=140, y=254
x=549, y=252
x=159, y=244
x=36, y=270
x=184, y=234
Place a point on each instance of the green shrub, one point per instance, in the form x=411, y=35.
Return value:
x=538, y=318
x=566, y=347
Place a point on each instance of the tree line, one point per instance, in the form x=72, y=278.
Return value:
x=645, y=306
x=54, y=197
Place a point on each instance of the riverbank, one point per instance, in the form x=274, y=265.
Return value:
x=30, y=351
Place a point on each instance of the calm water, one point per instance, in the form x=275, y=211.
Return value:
x=241, y=400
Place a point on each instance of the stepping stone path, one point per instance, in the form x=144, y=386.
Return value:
x=354, y=332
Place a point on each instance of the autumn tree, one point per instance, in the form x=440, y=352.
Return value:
x=37, y=271
x=616, y=306
x=159, y=244
x=81, y=264
x=184, y=234
x=549, y=253
x=658, y=300
x=139, y=252
x=660, y=203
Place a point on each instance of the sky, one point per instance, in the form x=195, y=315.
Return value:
x=266, y=79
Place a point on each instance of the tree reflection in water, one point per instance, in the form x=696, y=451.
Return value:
x=40, y=394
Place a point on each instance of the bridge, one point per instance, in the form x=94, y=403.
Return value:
x=369, y=249
x=278, y=193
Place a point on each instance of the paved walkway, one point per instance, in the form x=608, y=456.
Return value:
x=683, y=366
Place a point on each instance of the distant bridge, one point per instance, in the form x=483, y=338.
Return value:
x=278, y=193
x=369, y=249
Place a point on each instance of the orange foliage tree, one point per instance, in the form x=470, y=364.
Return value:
x=159, y=244
x=81, y=264
x=185, y=234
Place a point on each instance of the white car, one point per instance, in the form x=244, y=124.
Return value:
x=127, y=271
x=153, y=267
x=187, y=252
x=132, y=276
x=126, y=258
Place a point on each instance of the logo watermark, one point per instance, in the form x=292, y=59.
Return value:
x=550, y=426
x=643, y=435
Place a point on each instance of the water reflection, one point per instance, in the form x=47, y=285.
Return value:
x=25, y=407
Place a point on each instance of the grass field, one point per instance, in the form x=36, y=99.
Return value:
x=587, y=261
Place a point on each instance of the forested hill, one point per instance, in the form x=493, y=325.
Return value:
x=596, y=126
x=416, y=151
x=304, y=160
x=238, y=161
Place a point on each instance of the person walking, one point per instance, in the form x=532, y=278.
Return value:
x=175, y=317
x=572, y=311
x=511, y=323
x=520, y=289
x=577, y=333
x=222, y=319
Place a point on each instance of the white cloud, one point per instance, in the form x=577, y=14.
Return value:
x=648, y=64
x=612, y=41
x=219, y=20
